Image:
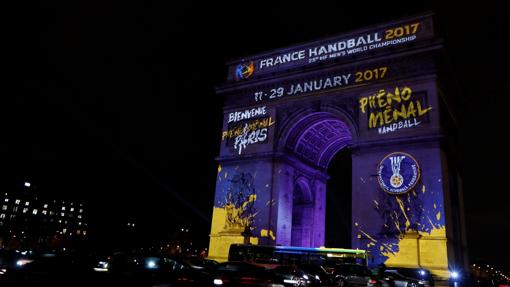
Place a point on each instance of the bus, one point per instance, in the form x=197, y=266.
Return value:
x=297, y=255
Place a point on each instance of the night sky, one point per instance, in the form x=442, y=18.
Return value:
x=113, y=104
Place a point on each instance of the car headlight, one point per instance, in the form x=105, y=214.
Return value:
x=152, y=264
x=454, y=275
x=22, y=262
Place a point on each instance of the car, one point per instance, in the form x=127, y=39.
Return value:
x=157, y=270
x=50, y=269
x=296, y=276
x=10, y=261
x=384, y=281
x=199, y=263
x=379, y=278
x=410, y=277
x=347, y=274
x=235, y=273
x=241, y=274
x=318, y=272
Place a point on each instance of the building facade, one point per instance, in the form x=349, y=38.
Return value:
x=30, y=222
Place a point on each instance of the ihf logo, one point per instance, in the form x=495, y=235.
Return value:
x=244, y=71
x=398, y=173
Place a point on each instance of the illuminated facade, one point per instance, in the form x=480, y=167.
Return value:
x=27, y=221
x=375, y=92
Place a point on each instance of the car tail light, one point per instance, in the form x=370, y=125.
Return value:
x=248, y=280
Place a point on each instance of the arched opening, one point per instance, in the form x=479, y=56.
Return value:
x=302, y=214
x=319, y=141
x=339, y=200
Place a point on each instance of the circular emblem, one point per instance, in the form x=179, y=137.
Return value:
x=243, y=71
x=398, y=173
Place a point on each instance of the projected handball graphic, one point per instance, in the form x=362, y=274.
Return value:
x=398, y=173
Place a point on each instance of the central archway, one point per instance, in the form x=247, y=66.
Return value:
x=313, y=141
x=302, y=213
x=339, y=200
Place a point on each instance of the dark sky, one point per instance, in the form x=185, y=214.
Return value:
x=113, y=103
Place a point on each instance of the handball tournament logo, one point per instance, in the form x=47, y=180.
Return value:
x=398, y=173
x=244, y=71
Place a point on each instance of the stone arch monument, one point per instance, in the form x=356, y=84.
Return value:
x=375, y=91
